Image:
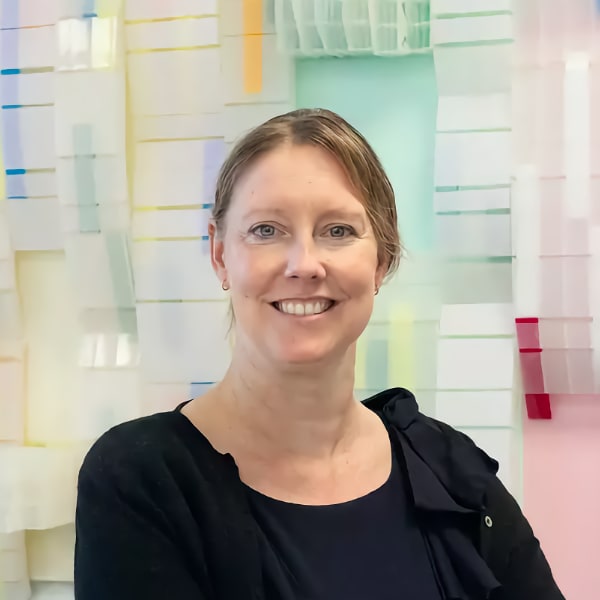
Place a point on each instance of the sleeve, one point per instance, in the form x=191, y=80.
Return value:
x=124, y=548
x=518, y=560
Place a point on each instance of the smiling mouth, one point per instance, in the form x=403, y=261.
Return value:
x=303, y=309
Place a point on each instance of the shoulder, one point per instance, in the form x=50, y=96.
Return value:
x=137, y=450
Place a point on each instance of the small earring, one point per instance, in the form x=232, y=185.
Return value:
x=224, y=285
x=376, y=291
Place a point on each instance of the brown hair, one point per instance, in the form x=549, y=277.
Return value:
x=327, y=130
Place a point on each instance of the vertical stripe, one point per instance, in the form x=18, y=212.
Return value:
x=214, y=155
x=577, y=136
x=401, y=347
x=376, y=371
x=85, y=185
x=252, y=27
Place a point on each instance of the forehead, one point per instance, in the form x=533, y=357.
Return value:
x=293, y=172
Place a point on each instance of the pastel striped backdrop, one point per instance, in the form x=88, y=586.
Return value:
x=116, y=115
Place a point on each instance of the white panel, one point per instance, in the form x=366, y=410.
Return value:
x=277, y=72
x=473, y=159
x=89, y=265
x=107, y=397
x=184, y=33
x=108, y=179
x=491, y=111
x=470, y=200
x=7, y=274
x=170, y=223
x=52, y=591
x=34, y=184
x=473, y=235
x=173, y=270
x=166, y=127
x=157, y=9
x=13, y=557
x=28, y=48
x=500, y=444
x=471, y=29
x=577, y=132
x=240, y=119
x=35, y=223
x=439, y=7
x=29, y=13
x=194, y=82
x=473, y=70
x=183, y=341
x=12, y=400
x=169, y=173
x=475, y=409
x=50, y=553
x=37, y=487
x=35, y=147
x=477, y=319
x=163, y=397
x=95, y=100
x=29, y=88
x=10, y=316
x=475, y=364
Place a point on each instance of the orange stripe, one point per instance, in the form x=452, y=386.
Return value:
x=252, y=19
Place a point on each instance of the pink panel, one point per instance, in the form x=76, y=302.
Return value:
x=562, y=490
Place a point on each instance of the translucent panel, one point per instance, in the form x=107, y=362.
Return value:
x=471, y=29
x=477, y=319
x=158, y=9
x=89, y=43
x=188, y=72
x=490, y=111
x=12, y=400
x=31, y=184
x=35, y=224
x=445, y=7
x=169, y=127
x=183, y=341
x=28, y=48
x=240, y=119
x=472, y=282
x=308, y=35
x=476, y=409
x=463, y=159
x=355, y=18
x=474, y=70
x=50, y=555
x=10, y=316
x=233, y=20
x=329, y=24
x=29, y=138
x=173, y=270
x=28, y=13
x=465, y=364
x=27, y=88
x=180, y=33
x=93, y=103
x=277, y=76
x=170, y=223
x=467, y=235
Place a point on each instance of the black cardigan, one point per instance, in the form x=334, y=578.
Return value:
x=160, y=513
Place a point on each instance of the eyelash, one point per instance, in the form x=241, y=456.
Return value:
x=255, y=230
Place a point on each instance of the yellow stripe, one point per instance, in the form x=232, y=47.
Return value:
x=180, y=49
x=168, y=19
x=252, y=19
x=401, y=366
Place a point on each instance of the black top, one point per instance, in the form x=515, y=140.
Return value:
x=355, y=550
x=161, y=514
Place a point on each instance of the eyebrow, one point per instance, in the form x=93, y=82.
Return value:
x=338, y=213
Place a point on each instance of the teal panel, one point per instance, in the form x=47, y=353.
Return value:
x=393, y=102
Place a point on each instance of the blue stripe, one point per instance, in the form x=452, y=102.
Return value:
x=15, y=171
x=10, y=72
x=91, y=15
x=11, y=106
x=17, y=197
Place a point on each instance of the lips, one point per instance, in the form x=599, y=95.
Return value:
x=303, y=308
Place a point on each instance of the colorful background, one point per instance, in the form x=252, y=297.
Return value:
x=116, y=115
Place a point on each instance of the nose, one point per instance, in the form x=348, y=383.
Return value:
x=304, y=262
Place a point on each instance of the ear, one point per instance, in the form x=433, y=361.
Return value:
x=380, y=274
x=217, y=252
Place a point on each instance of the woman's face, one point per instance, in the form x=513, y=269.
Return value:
x=300, y=257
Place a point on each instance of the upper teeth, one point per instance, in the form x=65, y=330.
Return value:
x=304, y=308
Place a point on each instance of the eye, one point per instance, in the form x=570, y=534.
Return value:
x=340, y=231
x=263, y=231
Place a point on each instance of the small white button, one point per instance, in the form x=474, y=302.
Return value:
x=488, y=521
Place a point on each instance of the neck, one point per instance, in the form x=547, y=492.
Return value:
x=307, y=411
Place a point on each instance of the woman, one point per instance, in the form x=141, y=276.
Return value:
x=277, y=484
